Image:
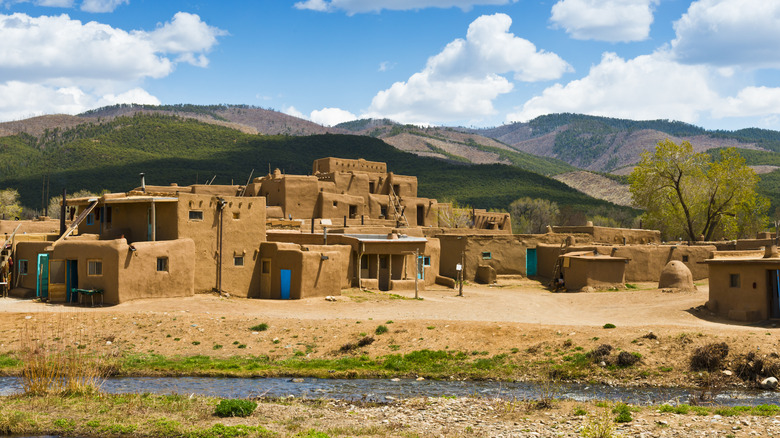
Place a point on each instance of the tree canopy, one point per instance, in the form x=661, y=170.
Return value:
x=688, y=195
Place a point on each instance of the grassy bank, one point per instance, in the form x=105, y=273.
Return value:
x=144, y=415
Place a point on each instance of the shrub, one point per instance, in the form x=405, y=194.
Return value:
x=623, y=413
x=709, y=357
x=626, y=359
x=382, y=329
x=259, y=327
x=235, y=408
x=609, y=325
x=601, y=352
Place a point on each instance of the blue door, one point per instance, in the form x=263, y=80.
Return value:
x=530, y=262
x=285, y=279
x=42, y=283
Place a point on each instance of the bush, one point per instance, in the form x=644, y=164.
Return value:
x=259, y=327
x=235, y=408
x=601, y=352
x=623, y=412
x=609, y=325
x=382, y=329
x=709, y=357
x=626, y=359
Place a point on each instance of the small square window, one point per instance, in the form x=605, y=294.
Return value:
x=426, y=261
x=487, y=255
x=162, y=264
x=196, y=215
x=238, y=261
x=335, y=203
x=22, y=266
x=734, y=280
x=94, y=267
x=236, y=215
x=685, y=259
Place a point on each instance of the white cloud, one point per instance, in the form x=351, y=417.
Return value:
x=461, y=82
x=362, y=6
x=646, y=87
x=291, y=111
x=51, y=56
x=604, y=20
x=729, y=32
x=750, y=101
x=101, y=5
x=331, y=116
x=386, y=65
x=136, y=95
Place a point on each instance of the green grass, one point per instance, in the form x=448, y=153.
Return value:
x=259, y=327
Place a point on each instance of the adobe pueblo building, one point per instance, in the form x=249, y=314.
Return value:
x=171, y=241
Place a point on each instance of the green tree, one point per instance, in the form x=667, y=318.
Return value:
x=56, y=201
x=531, y=216
x=685, y=194
x=9, y=204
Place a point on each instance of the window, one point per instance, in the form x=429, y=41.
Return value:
x=733, y=280
x=162, y=264
x=685, y=259
x=487, y=255
x=236, y=215
x=22, y=267
x=91, y=219
x=108, y=215
x=370, y=187
x=396, y=189
x=196, y=215
x=426, y=261
x=266, y=267
x=238, y=260
x=94, y=267
x=335, y=203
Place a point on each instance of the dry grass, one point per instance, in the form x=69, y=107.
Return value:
x=56, y=360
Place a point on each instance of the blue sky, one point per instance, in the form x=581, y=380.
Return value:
x=713, y=63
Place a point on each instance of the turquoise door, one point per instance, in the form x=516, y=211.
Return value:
x=530, y=262
x=774, y=293
x=420, y=268
x=42, y=283
x=72, y=281
x=285, y=280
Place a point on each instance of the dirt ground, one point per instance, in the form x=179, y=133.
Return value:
x=517, y=317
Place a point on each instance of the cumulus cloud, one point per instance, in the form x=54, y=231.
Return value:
x=362, y=6
x=646, y=87
x=729, y=32
x=291, y=111
x=101, y=5
x=331, y=116
x=51, y=56
x=462, y=81
x=750, y=101
x=604, y=20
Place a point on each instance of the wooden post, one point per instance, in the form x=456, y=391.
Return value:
x=416, y=271
x=154, y=222
x=461, y=273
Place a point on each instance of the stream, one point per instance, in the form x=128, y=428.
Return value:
x=385, y=390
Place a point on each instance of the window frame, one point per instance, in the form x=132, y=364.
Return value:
x=196, y=213
x=165, y=263
x=19, y=264
x=238, y=261
x=94, y=267
x=487, y=255
x=735, y=281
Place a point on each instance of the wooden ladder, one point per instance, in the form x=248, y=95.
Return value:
x=558, y=266
x=398, y=210
x=79, y=219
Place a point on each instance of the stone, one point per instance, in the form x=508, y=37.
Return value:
x=297, y=380
x=769, y=383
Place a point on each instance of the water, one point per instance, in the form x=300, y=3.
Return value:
x=384, y=390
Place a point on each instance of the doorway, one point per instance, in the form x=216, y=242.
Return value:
x=72, y=281
x=774, y=293
x=285, y=278
x=384, y=272
x=420, y=215
x=42, y=282
x=530, y=262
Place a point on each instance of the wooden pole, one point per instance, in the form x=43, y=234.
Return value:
x=460, y=273
x=416, y=271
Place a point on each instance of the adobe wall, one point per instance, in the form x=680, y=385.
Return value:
x=243, y=229
x=311, y=276
x=403, y=185
x=595, y=272
x=106, y=251
x=29, y=227
x=507, y=252
x=428, y=207
x=748, y=244
x=614, y=235
x=750, y=301
x=645, y=261
x=29, y=251
x=336, y=207
x=342, y=258
x=333, y=164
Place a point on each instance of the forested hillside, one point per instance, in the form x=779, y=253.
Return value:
x=170, y=149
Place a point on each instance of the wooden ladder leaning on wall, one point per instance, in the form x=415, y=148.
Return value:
x=5, y=254
x=398, y=209
x=558, y=265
